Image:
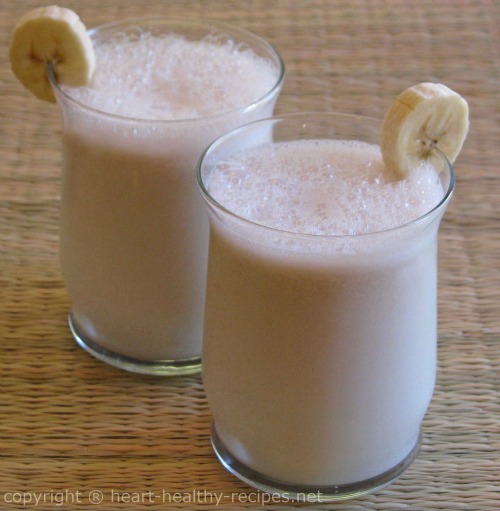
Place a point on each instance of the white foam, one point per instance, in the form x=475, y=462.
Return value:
x=171, y=77
x=322, y=187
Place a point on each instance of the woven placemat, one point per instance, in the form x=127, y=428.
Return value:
x=71, y=425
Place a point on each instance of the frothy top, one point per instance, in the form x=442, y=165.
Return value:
x=171, y=78
x=322, y=187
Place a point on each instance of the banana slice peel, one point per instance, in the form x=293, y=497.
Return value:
x=51, y=35
x=422, y=118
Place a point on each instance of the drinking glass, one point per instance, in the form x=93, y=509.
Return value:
x=133, y=232
x=319, y=357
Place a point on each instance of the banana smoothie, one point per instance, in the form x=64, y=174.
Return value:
x=134, y=236
x=319, y=355
x=343, y=354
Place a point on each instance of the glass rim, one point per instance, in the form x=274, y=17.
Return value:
x=325, y=115
x=223, y=28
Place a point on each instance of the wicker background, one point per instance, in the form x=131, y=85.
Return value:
x=69, y=423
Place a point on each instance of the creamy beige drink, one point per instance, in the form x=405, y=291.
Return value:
x=320, y=340
x=133, y=233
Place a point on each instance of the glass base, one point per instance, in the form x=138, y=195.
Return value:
x=153, y=367
x=308, y=493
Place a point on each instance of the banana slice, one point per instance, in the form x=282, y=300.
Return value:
x=423, y=117
x=51, y=35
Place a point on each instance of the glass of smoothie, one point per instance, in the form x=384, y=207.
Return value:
x=134, y=233
x=319, y=357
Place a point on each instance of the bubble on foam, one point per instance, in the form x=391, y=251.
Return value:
x=322, y=187
x=170, y=77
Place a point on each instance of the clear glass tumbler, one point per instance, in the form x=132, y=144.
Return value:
x=319, y=357
x=134, y=234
